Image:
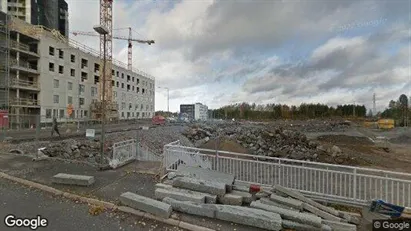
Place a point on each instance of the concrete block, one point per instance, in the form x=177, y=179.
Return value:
x=63, y=178
x=241, y=188
x=165, y=186
x=320, y=213
x=248, y=216
x=146, y=204
x=206, y=174
x=214, y=188
x=231, y=199
x=247, y=197
x=350, y=218
x=287, y=201
x=260, y=195
x=287, y=224
x=289, y=214
x=209, y=199
x=161, y=193
x=191, y=207
x=339, y=226
x=301, y=197
x=267, y=201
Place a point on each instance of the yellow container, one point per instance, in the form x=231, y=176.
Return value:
x=386, y=123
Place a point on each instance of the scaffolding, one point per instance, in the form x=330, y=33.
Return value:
x=4, y=61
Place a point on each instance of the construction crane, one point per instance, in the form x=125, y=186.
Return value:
x=130, y=39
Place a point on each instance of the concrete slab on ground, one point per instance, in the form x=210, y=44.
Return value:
x=206, y=174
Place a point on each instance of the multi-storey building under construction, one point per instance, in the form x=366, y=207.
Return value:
x=44, y=73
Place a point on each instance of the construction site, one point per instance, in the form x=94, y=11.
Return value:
x=335, y=173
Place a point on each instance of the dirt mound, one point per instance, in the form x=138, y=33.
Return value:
x=344, y=139
x=402, y=139
x=225, y=145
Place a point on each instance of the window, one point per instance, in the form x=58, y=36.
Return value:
x=112, y=72
x=138, y=81
x=122, y=114
x=133, y=114
x=123, y=106
x=84, y=63
x=113, y=83
x=137, y=114
x=122, y=75
x=147, y=107
x=85, y=113
x=69, y=100
x=56, y=83
x=48, y=113
x=136, y=107
x=142, y=91
x=69, y=86
x=61, y=113
x=117, y=73
x=152, y=107
x=128, y=78
x=138, y=89
x=83, y=76
x=128, y=87
x=115, y=94
x=72, y=72
x=130, y=106
x=132, y=79
x=128, y=115
x=117, y=84
x=51, y=67
x=93, y=91
x=132, y=88
x=51, y=51
x=55, y=112
x=81, y=89
x=73, y=58
x=122, y=85
x=61, y=54
x=96, y=67
x=123, y=96
x=61, y=69
x=56, y=98
x=96, y=79
x=81, y=101
x=142, y=107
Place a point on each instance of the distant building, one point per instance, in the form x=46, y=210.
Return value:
x=52, y=14
x=195, y=111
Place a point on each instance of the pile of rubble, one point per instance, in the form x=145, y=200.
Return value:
x=319, y=126
x=216, y=195
x=273, y=142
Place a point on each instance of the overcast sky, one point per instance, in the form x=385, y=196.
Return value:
x=223, y=52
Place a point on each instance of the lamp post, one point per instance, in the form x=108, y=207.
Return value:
x=103, y=31
x=168, y=98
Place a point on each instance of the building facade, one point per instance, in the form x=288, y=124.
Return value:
x=195, y=111
x=51, y=77
x=52, y=14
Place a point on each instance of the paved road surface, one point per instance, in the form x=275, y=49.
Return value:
x=64, y=214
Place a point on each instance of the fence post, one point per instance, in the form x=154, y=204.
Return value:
x=279, y=172
x=355, y=184
x=137, y=153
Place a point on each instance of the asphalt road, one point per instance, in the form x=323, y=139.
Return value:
x=63, y=214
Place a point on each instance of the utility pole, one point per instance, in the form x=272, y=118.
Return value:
x=353, y=111
x=374, y=105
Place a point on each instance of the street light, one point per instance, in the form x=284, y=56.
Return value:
x=168, y=98
x=102, y=30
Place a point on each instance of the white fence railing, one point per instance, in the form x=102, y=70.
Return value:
x=342, y=183
x=129, y=150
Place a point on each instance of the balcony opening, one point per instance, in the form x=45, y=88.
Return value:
x=83, y=76
x=117, y=84
x=112, y=72
x=84, y=63
x=128, y=78
x=51, y=51
x=113, y=84
x=72, y=72
x=117, y=73
x=81, y=101
x=143, y=91
x=61, y=54
x=51, y=67
x=138, y=81
x=122, y=85
x=138, y=90
x=132, y=88
x=128, y=87
x=73, y=58
x=61, y=69
x=96, y=67
x=96, y=79
x=122, y=75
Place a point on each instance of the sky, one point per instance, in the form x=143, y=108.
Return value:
x=261, y=51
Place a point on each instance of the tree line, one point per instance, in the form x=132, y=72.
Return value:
x=284, y=111
x=398, y=110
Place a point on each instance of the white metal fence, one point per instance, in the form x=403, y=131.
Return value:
x=341, y=183
x=129, y=150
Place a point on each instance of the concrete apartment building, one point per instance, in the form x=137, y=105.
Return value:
x=195, y=111
x=49, y=74
x=52, y=14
